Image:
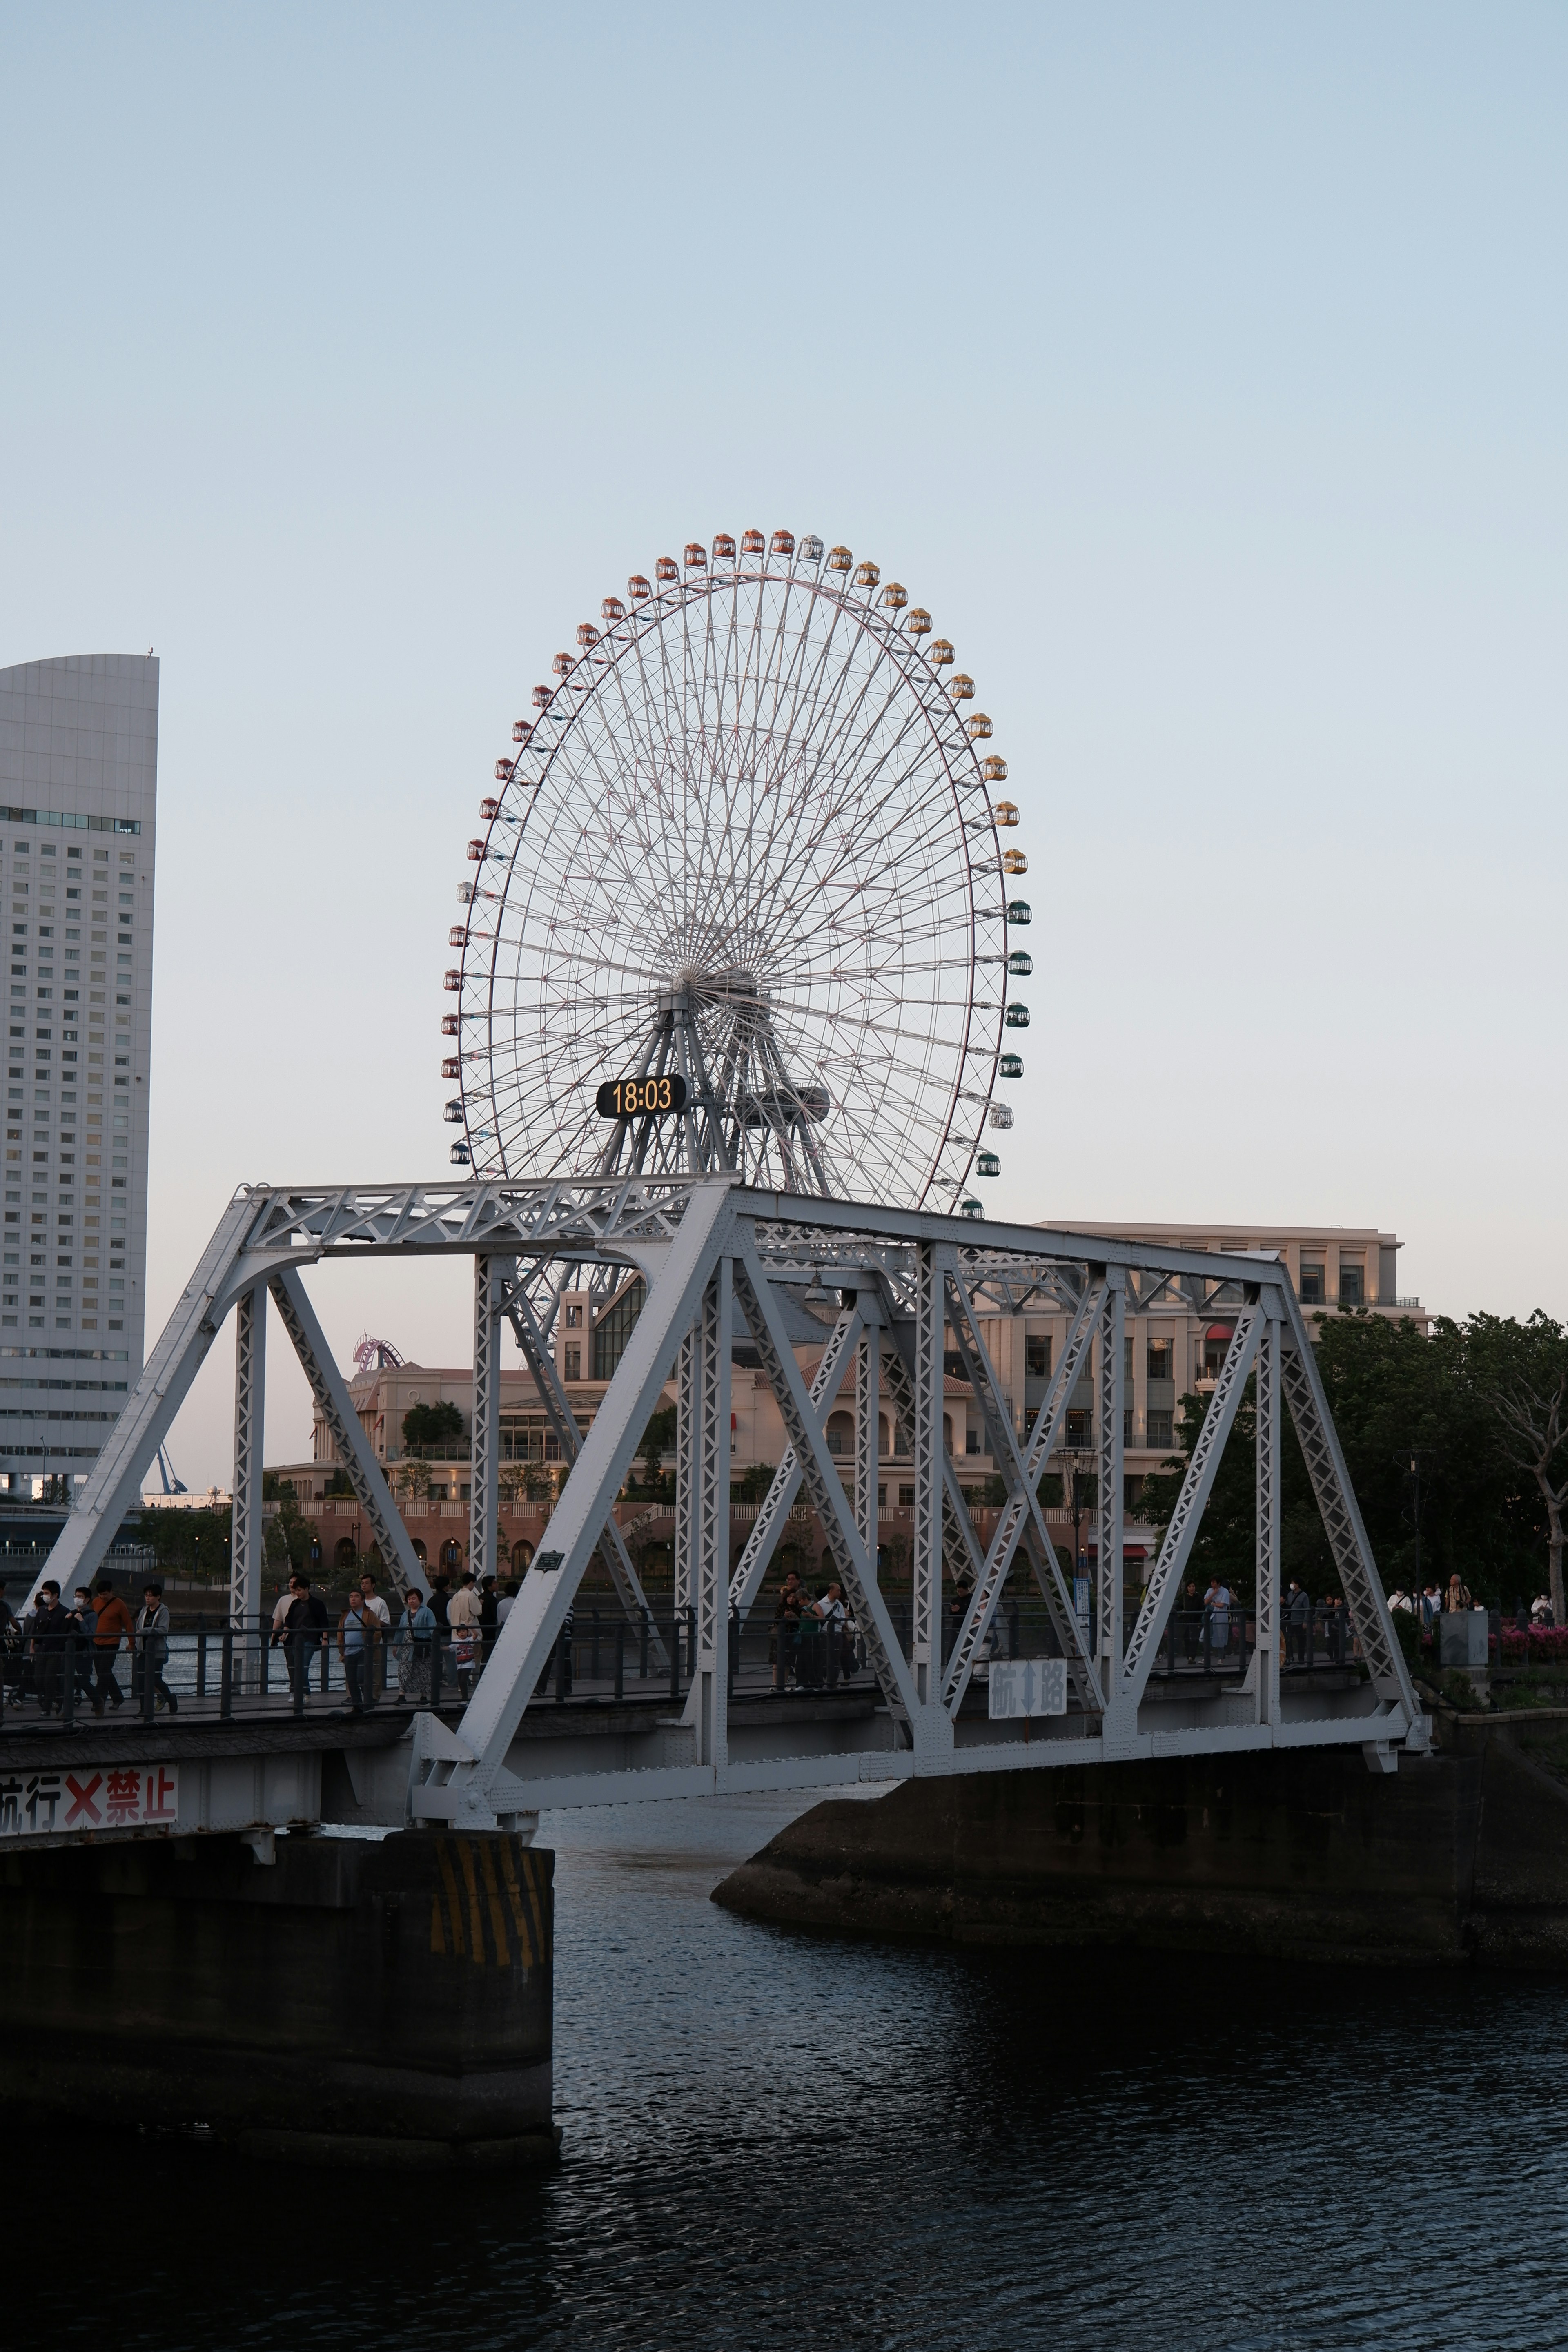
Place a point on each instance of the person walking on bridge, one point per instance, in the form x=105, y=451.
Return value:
x=49, y=1626
x=115, y=1624
x=306, y=1627
x=415, y=1631
x=378, y=1627
x=151, y=1647
x=353, y=1649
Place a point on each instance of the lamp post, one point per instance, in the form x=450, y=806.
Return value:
x=1414, y=1457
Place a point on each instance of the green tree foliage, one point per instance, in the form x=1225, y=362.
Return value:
x=751, y=1485
x=429, y=1427
x=188, y=1544
x=1389, y=1390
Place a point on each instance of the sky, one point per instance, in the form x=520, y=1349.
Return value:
x=1199, y=368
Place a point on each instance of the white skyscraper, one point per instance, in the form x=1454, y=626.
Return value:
x=78, y=761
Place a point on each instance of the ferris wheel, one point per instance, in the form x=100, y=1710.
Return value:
x=740, y=901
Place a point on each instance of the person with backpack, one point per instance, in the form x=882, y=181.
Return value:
x=306, y=1630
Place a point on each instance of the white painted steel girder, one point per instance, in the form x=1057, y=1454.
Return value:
x=913, y=1275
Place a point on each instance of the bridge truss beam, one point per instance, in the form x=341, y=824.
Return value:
x=907, y=1282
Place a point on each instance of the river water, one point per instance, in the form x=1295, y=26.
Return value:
x=776, y=2140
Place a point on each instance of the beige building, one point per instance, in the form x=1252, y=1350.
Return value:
x=1335, y=1270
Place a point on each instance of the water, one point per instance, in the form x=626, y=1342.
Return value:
x=773, y=2140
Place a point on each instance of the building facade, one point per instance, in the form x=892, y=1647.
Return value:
x=78, y=758
x=1171, y=1353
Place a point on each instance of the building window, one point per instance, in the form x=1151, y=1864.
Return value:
x=613, y=1329
x=1311, y=1287
x=1038, y=1355
x=906, y=1498
x=1353, y=1284
x=972, y=1441
x=1159, y=1430
x=575, y=1363
x=574, y=1319
x=1080, y=1426
x=1160, y=1360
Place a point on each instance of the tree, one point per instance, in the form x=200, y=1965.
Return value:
x=752, y=1483
x=655, y=1441
x=1521, y=1370
x=429, y=1428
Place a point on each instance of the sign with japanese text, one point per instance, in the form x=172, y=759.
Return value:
x=1024, y=1687
x=81, y=1797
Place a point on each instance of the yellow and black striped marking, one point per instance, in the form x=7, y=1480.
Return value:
x=488, y=1892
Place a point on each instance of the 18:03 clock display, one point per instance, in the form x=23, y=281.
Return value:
x=642, y=1097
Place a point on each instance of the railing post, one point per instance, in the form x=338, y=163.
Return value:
x=561, y=1640
x=673, y=1656
x=68, y=1709
x=147, y=1678
x=620, y=1658
x=642, y=1644
x=594, y=1651
x=264, y=1638
x=225, y=1675
x=201, y=1657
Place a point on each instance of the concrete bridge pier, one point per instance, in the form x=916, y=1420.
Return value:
x=378, y=2001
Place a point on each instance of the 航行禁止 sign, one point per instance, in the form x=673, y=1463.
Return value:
x=83, y=1797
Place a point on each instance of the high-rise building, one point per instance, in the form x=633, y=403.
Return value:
x=79, y=761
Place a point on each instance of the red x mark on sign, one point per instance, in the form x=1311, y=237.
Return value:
x=82, y=1799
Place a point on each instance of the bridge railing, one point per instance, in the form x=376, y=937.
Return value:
x=210, y=1668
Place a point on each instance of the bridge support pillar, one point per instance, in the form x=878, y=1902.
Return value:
x=348, y=2001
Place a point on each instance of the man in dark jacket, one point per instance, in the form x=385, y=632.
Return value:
x=305, y=1631
x=50, y=1625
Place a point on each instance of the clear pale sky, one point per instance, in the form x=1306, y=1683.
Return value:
x=1200, y=368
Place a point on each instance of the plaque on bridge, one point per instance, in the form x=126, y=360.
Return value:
x=1025, y=1687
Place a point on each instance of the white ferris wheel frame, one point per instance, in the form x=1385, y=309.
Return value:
x=747, y=711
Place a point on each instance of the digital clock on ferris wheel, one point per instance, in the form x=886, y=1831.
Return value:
x=642, y=1097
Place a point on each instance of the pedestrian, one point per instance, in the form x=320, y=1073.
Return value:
x=411, y=1643
x=305, y=1630
x=10, y=1645
x=504, y=1606
x=84, y=1627
x=1431, y=1605
x=1541, y=1615
x=150, y=1648
x=115, y=1624
x=1457, y=1595
x=490, y=1615
x=829, y=1613
x=378, y=1627
x=463, y=1618
x=440, y=1599
x=786, y=1630
x=353, y=1649
x=1216, y=1619
x=46, y=1643
x=1192, y=1621
x=1297, y=1609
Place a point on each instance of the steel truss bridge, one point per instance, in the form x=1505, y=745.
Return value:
x=716, y=1258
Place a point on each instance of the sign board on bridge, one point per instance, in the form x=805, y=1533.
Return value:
x=1024, y=1687
x=83, y=1797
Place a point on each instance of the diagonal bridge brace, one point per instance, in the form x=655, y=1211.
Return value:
x=613, y=1549
x=752, y=1564
x=1022, y=1520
